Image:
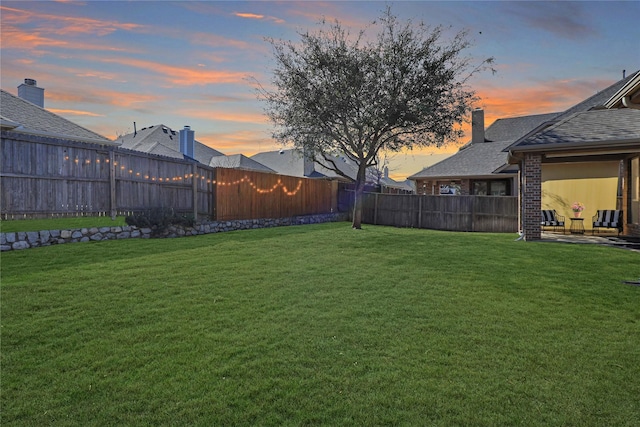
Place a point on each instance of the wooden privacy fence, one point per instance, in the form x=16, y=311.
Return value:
x=454, y=213
x=45, y=177
x=241, y=194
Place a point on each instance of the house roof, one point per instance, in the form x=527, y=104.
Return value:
x=292, y=162
x=588, y=128
x=483, y=159
x=631, y=89
x=22, y=116
x=598, y=100
x=511, y=129
x=164, y=141
x=285, y=162
x=238, y=161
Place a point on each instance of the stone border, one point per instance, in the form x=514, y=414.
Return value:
x=33, y=239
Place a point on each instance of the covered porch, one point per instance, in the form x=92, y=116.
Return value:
x=592, y=157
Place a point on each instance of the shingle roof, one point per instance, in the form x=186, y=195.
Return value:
x=291, y=162
x=23, y=116
x=596, y=101
x=164, y=141
x=484, y=158
x=511, y=129
x=480, y=159
x=238, y=161
x=285, y=162
x=590, y=127
x=631, y=89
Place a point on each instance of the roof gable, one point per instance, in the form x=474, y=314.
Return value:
x=630, y=91
x=596, y=101
x=162, y=140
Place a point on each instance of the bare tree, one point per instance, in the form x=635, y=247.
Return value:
x=334, y=93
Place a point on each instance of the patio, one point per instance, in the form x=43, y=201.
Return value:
x=612, y=239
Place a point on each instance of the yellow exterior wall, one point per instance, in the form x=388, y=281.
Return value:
x=594, y=184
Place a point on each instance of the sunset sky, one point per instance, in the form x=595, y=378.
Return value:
x=108, y=64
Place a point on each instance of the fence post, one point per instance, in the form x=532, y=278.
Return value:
x=112, y=184
x=420, y=212
x=375, y=210
x=194, y=189
x=214, y=195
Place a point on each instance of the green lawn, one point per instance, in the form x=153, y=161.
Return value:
x=321, y=325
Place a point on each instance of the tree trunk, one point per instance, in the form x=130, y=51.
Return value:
x=357, y=206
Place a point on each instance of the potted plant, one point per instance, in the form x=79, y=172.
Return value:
x=577, y=209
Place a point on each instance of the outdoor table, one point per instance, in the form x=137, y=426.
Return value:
x=577, y=226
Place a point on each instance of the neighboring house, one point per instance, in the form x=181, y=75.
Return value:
x=238, y=161
x=589, y=154
x=293, y=162
x=480, y=167
x=164, y=141
x=23, y=116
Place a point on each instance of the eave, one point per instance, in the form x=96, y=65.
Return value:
x=594, y=148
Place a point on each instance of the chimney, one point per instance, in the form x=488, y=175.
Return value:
x=29, y=91
x=386, y=172
x=308, y=163
x=477, y=126
x=187, y=141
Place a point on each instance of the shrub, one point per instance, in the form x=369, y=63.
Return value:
x=159, y=219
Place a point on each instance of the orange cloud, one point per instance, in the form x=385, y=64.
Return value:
x=246, y=142
x=180, y=76
x=214, y=40
x=103, y=97
x=546, y=97
x=73, y=112
x=229, y=116
x=59, y=24
x=248, y=15
x=16, y=38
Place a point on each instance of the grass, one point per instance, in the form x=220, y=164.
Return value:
x=321, y=325
x=62, y=223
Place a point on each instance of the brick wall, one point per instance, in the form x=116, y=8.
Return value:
x=532, y=196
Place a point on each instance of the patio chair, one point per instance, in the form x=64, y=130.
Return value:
x=607, y=218
x=550, y=218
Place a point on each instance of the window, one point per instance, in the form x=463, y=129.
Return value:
x=480, y=188
x=495, y=187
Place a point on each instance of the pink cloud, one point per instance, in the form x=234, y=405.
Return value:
x=225, y=115
x=16, y=38
x=74, y=112
x=59, y=24
x=260, y=17
x=180, y=76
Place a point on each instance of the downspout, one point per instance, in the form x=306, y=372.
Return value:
x=626, y=101
x=520, y=161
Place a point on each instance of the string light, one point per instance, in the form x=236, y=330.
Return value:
x=245, y=179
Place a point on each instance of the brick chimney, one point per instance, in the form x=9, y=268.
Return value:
x=187, y=141
x=29, y=91
x=477, y=126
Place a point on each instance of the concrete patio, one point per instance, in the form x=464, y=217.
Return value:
x=613, y=240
